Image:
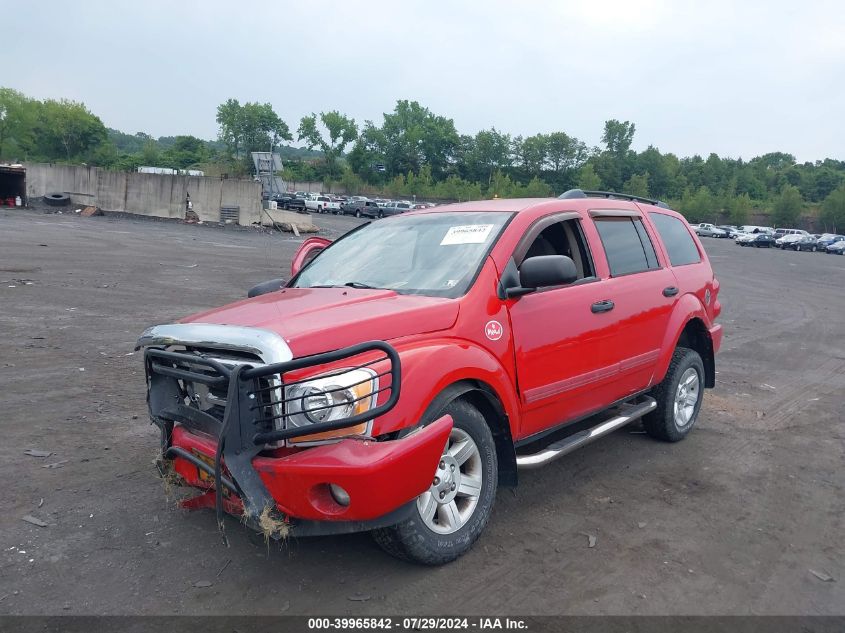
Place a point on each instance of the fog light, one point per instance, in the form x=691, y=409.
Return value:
x=339, y=494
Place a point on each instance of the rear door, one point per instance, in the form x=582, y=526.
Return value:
x=640, y=291
x=563, y=346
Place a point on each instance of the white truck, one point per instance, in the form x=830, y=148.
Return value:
x=321, y=204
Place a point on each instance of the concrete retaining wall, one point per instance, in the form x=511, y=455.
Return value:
x=157, y=195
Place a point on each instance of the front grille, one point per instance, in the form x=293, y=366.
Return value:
x=214, y=391
x=211, y=399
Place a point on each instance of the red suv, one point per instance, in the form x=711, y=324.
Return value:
x=417, y=363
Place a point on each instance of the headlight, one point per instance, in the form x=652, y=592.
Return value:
x=331, y=398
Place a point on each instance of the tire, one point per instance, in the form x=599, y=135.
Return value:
x=357, y=213
x=415, y=539
x=57, y=199
x=664, y=423
x=380, y=214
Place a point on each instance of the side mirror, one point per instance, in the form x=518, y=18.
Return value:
x=264, y=287
x=309, y=249
x=547, y=270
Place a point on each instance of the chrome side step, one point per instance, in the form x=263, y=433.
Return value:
x=627, y=413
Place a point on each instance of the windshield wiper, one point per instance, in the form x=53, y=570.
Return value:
x=350, y=284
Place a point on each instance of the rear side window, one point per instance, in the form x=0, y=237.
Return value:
x=627, y=245
x=677, y=239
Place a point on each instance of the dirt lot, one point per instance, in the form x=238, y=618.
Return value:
x=730, y=521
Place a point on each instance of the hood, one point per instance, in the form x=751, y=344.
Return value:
x=315, y=320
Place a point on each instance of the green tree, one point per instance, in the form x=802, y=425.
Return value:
x=185, y=152
x=700, y=206
x=413, y=135
x=489, y=151
x=833, y=210
x=588, y=179
x=787, y=207
x=367, y=157
x=150, y=154
x=637, y=185
x=536, y=188
x=250, y=127
x=533, y=154
x=17, y=121
x=740, y=208
x=337, y=132
x=618, y=136
x=657, y=167
x=615, y=164
x=564, y=152
x=67, y=129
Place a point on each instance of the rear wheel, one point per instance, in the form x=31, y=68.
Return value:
x=678, y=397
x=357, y=213
x=452, y=513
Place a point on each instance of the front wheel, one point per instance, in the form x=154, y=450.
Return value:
x=452, y=513
x=357, y=213
x=678, y=397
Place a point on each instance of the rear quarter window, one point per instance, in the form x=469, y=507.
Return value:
x=677, y=239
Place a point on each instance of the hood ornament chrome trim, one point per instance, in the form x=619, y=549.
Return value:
x=267, y=345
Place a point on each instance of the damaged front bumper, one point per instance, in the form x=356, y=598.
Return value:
x=353, y=484
x=381, y=480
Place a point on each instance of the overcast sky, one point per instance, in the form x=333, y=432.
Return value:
x=736, y=78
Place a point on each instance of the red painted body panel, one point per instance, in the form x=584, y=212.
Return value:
x=314, y=320
x=546, y=356
x=311, y=245
x=379, y=476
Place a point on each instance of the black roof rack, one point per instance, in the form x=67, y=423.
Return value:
x=581, y=193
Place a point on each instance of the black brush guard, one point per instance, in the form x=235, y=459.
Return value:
x=251, y=411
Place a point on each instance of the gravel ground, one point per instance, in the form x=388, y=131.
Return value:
x=735, y=520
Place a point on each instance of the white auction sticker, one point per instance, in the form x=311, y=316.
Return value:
x=467, y=234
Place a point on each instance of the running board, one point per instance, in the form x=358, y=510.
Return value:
x=627, y=413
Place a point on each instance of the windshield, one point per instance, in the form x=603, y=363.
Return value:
x=436, y=254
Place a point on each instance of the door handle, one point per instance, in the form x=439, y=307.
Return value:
x=671, y=291
x=602, y=306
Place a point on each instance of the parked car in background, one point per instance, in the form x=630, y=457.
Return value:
x=290, y=201
x=761, y=240
x=322, y=204
x=782, y=232
x=827, y=239
x=751, y=228
x=801, y=243
x=731, y=230
x=395, y=208
x=786, y=239
x=362, y=208
x=706, y=229
x=743, y=239
x=837, y=248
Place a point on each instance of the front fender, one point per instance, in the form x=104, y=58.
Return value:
x=429, y=367
x=688, y=307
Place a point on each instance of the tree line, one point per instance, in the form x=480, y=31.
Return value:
x=413, y=151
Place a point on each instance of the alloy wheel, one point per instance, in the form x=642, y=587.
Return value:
x=454, y=493
x=686, y=397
